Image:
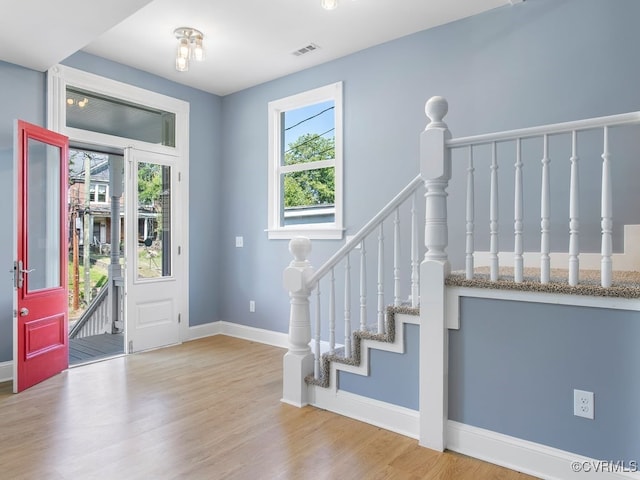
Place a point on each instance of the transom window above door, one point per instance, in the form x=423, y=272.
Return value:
x=91, y=111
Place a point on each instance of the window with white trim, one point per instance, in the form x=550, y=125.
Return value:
x=98, y=193
x=305, y=164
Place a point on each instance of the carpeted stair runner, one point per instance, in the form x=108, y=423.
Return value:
x=356, y=344
x=624, y=284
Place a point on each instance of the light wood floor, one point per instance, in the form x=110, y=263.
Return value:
x=207, y=409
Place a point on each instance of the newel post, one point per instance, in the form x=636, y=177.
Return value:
x=435, y=168
x=298, y=361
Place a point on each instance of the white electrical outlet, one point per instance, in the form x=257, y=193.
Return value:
x=239, y=242
x=583, y=404
x=252, y=306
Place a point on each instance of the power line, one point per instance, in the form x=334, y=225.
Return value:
x=309, y=118
x=309, y=140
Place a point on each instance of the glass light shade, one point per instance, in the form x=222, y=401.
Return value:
x=198, y=50
x=183, y=48
x=329, y=4
x=182, y=64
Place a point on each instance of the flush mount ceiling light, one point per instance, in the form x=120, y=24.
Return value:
x=329, y=4
x=189, y=47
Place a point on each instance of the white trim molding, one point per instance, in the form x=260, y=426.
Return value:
x=259, y=335
x=453, y=295
x=394, y=418
x=6, y=371
x=529, y=457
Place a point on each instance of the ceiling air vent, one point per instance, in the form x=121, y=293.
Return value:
x=306, y=49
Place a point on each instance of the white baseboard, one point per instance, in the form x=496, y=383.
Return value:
x=6, y=371
x=259, y=335
x=374, y=412
x=204, y=330
x=529, y=457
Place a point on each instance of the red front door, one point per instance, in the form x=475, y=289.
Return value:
x=40, y=344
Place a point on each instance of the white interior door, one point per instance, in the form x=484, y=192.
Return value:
x=153, y=268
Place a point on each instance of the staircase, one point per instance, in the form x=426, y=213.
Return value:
x=410, y=271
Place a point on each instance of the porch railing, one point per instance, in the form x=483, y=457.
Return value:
x=95, y=319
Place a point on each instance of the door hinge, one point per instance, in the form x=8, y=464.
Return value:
x=179, y=318
x=179, y=176
x=179, y=250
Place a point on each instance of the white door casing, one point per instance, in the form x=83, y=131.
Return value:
x=58, y=78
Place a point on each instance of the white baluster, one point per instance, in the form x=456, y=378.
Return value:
x=415, y=276
x=363, y=286
x=545, y=208
x=607, y=215
x=347, y=307
x=493, y=215
x=332, y=312
x=381, y=279
x=396, y=258
x=316, y=365
x=470, y=217
x=574, y=213
x=517, y=223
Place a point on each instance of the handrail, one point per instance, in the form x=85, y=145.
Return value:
x=88, y=313
x=404, y=194
x=553, y=129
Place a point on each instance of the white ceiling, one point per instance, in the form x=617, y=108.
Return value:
x=247, y=42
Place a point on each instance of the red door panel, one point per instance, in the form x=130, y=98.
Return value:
x=41, y=347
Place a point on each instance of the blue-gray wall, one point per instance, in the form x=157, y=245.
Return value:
x=541, y=61
x=22, y=95
x=393, y=378
x=514, y=365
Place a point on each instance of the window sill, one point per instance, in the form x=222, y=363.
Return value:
x=322, y=233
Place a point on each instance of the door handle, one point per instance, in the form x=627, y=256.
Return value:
x=24, y=312
x=19, y=272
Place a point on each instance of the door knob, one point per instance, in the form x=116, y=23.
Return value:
x=24, y=312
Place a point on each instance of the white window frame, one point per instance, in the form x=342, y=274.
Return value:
x=94, y=195
x=330, y=230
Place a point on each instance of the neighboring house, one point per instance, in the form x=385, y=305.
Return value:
x=99, y=203
x=100, y=206
x=516, y=364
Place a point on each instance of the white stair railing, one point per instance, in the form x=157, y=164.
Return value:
x=544, y=133
x=302, y=281
x=426, y=280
